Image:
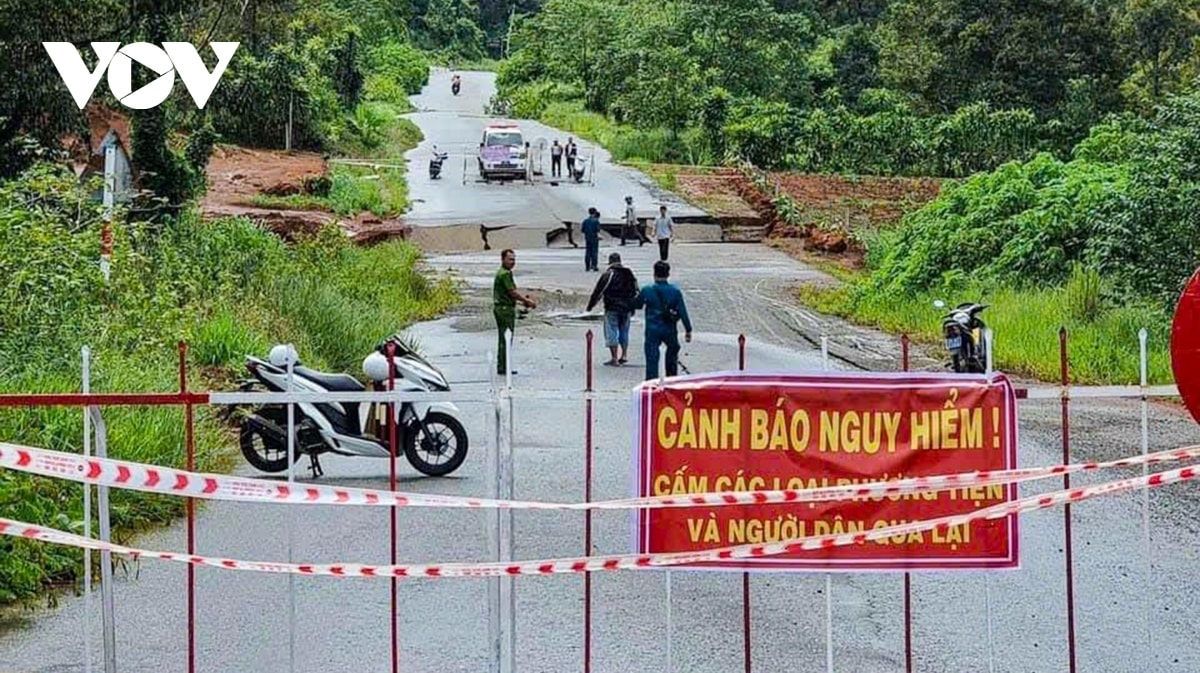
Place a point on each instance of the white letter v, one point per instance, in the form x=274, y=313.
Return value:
x=195, y=75
x=73, y=70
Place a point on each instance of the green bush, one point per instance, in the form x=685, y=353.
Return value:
x=224, y=340
x=530, y=101
x=395, y=71
x=1125, y=209
x=368, y=125
x=1023, y=223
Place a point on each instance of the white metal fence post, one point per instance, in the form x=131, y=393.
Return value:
x=1143, y=337
x=86, y=357
x=670, y=629
x=989, y=340
x=493, y=524
x=291, y=519
x=990, y=348
x=828, y=576
x=508, y=614
x=106, y=568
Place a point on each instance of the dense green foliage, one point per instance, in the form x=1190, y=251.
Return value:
x=940, y=87
x=1101, y=244
x=315, y=62
x=227, y=287
x=1125, y=207
x=311, y=62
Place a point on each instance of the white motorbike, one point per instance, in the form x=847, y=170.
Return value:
x=430, y=435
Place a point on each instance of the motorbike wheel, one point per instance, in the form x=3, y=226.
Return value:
x=442, y=451
x=262, y=452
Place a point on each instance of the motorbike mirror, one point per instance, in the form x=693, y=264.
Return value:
x=938, y=303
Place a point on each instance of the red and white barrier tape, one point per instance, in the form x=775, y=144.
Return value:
x=621, y=562
x=168, y=481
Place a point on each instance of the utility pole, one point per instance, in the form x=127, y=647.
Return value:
x=512, y=14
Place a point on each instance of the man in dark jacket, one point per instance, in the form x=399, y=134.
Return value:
x=618, y=287
x=664, y=309
x=591, y=240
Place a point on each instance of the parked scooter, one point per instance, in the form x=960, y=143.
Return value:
x=428, y=433
x=966, y=337
x=435, y=163
x=577, y=172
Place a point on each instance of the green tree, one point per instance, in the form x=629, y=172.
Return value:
x=1160, y=36
x=452, y=26
x=744, y=45
x=36, y=109
x=855, y=62
x=1010, y=53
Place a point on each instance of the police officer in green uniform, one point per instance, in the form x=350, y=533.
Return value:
x=504, y=305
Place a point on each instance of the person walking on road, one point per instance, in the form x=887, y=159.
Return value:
x=504, y=306
x=665, y=308
x=556, y=155
x=664, y=231
x=619, y=290
x=631, y=228
x=591, y=240
x=572, y=153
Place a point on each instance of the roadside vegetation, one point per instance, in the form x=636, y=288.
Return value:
x=1101, y=244
x=227, y=287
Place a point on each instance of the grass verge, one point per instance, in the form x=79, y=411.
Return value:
x=1103, y=344
x=626, y=143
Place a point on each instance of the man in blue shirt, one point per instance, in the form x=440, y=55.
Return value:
x=664, y=309
x=591, y=240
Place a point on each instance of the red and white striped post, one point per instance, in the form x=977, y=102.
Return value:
x=393, y=446
x=189, y=421
x=587, y=496
x=1064, y=370
x=747, y=659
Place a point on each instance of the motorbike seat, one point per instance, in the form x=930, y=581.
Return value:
x=333, y=382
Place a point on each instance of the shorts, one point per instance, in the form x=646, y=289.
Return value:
x=616, y=328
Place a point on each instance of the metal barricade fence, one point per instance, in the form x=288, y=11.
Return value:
x=501, y=475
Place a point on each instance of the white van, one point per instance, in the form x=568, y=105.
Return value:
x=502, y=153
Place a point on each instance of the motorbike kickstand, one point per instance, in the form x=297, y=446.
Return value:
x=315, y=466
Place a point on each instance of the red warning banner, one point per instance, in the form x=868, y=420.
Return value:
x=754, y=432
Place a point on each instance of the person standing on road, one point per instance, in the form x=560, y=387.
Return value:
x=591, y=240
x=572, y=153
x=665, y=308
x=631, y=228
x=504, y=306
x=619, y=290
x=556, y=155
x=664, y=231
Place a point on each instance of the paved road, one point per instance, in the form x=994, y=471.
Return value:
x=731, y=289
x=455, y=124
